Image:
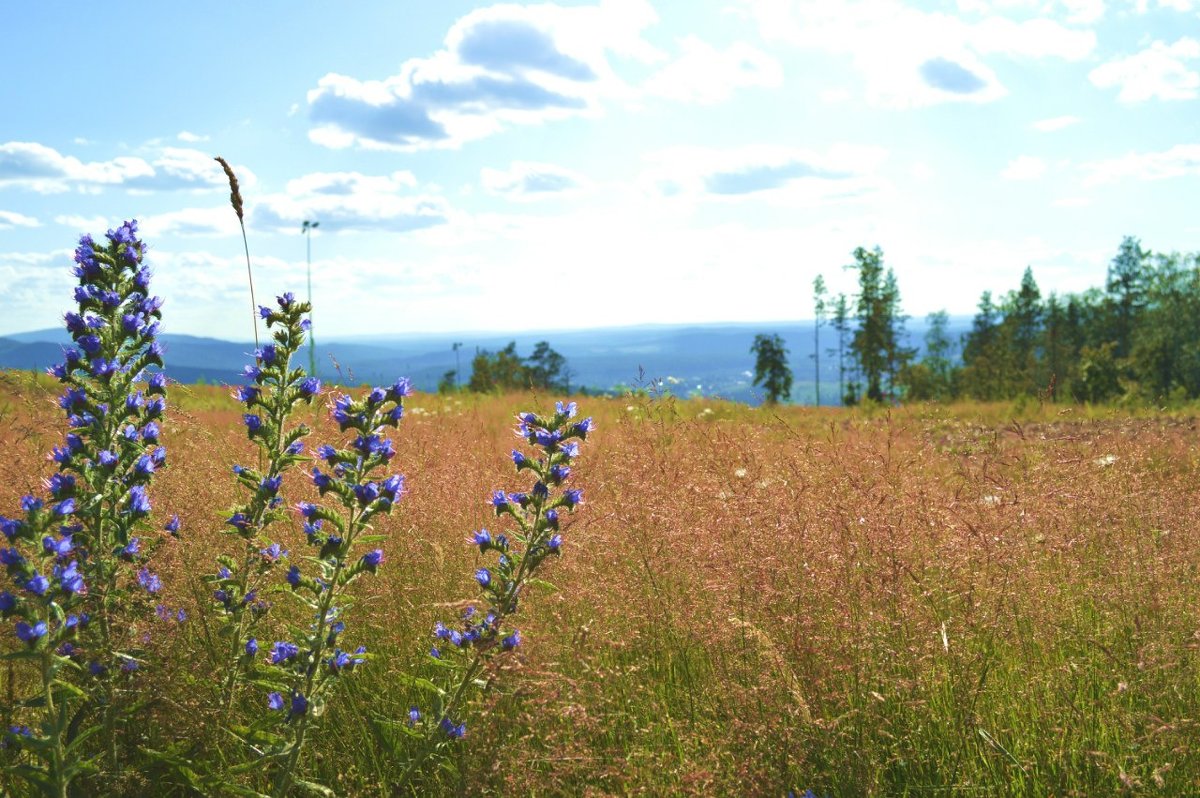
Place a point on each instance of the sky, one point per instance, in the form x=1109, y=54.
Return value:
x=565, y=165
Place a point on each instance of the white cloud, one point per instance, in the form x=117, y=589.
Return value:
x=191, y=138
x=703, y=74
x=351, y=201
x=909, y=57
x=84, y=224
x=218, y=221
x=531, y=181
x=1055, y=123
x=1024, y=167
x=792, y=176
x=1179, y=161
x=45, y=170
x=9, y=219
x=501, y=66
x=1157, y=72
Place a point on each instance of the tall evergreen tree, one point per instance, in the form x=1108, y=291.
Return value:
x=841, y=325
x=1126, y=286
x=876, y=344
x=818, y=320
x=771, y=369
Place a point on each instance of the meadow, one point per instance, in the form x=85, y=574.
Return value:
x=960, y=600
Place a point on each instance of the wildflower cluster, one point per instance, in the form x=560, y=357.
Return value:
x=536, y=534
x=304, y=671
x=272, y=391
x=67, y=552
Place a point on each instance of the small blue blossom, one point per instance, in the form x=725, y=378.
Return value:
x=283, y=651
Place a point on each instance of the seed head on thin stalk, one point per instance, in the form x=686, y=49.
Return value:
x=235, y=199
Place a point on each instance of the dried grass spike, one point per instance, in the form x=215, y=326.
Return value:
x=235, y=194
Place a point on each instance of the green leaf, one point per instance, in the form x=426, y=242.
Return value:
x=312, y=788
x=543, y=584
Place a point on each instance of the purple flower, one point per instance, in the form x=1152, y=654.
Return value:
x=30, y=634
x=283, y=651
x=131, y=548
x=518, y=459
x=37, y=584
x=275, y=701
x=414, y=715
x=270, y=485
x=64, y=507
x=310, y=387
x=554, y=543
x=400, y=389
x=484, y=577
x=299, y=705
x=107, y=458
x=139, y=502
x=252, y=648
x=566, y=411
x=483, y=539
x=69, y=578
x=253, y=423
x=572, y=497
x=8, y=602
x=584, y=427
x=499, y=501
x=149, y=581
x=514, y=639
x=150, y=433
x=158, y=383
x=293, y=576
x=377, y=395
x=272, y=553
x=266, y=354
x=246, y=394
x=172, y=526
x=372, y=559
x=326, y=452
x=452, y=730
x=156, y=407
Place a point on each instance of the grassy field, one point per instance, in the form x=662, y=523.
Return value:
x=927, y=602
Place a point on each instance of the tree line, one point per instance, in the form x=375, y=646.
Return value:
x=1136, y=337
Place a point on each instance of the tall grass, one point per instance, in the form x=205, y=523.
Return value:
x=924, y=602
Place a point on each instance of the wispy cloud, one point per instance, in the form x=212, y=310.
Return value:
x=1055, y=123
x=1161, y=72
x=531, y=181
x=1179, y=161
x=9, y=219
x=45, y=170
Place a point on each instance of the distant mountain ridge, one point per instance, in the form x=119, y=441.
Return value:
x=704, y=359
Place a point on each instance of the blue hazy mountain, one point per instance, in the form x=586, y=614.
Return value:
x=704, y=359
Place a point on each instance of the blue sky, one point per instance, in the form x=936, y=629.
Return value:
x=582, y=164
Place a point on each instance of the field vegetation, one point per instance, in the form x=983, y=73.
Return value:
x=934, y=600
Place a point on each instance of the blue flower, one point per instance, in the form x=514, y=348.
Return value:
x=483, y=539
x=310, y=387
x=149, y=581
x=59, y=547
x=283, y=651
x=295, y=447
x=400, y=389
x=273, y=552
x=567, y=411
x=64, y=507
x=554, y=544
x=584, y=427
x=8, y=602
x=246, y=394
x=366, y=493
x=139, y=502
x=70, y=579
x=512, y=641
x=499, y=501
x=293, y=576
x=372, y=559
x=253, y=423
x=30, y=634
x=326, y=452
x=156, y=407
x=158, y=383
x=484, y=577
x=107, y=458
x=286, y=300
x=270, y=485
x=266, y=354
x=252, y=647
x=299, y=705
x=37, y=584
x=519, y=460
x=131, y=548
x=172, y=526
x=275, y=701
x=414, y=715
x=572, y=497
x=238, y=521
x=453, y=731
x=144, y=467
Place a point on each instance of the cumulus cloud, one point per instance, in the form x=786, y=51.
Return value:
x=1055, y=123
x=530, y=181
x=350, y=201
x=500, y=66
x=190, y=138
x=1024, y=167
x=9, y=219
x=1179, y=161
x=844, y=171
x=45, y=170
x=1158, y=72
x=705, y=75
x=909, y=57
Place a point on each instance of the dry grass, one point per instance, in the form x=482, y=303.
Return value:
x=926, y=602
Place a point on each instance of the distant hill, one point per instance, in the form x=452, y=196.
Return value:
x=709, y=360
